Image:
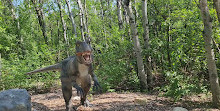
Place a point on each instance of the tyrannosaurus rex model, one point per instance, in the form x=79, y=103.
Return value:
x=76, y=71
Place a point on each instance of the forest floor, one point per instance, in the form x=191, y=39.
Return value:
x=126, y=101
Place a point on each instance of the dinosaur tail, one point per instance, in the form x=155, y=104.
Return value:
x=48, y=68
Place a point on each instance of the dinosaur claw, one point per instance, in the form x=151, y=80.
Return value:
x=97, y=87
x=80, y=92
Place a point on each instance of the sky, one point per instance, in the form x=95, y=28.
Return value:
x=17, y=2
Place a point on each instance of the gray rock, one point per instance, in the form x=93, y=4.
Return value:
x=15, y=100
x=179, y=109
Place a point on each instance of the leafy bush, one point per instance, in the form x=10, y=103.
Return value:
x=14, y=72
x=181, y=85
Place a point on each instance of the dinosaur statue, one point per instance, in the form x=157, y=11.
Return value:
x=75, y=71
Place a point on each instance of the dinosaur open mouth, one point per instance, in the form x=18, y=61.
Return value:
x=87, y=57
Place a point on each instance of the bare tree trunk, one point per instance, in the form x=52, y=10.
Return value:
x=81, y=18
x=71, y=18
x=63, y=23
x=126, y=16
x=83, y=25
x=119, y=13
x=40, y=16
x=213, y=75
x=216, y=3
x=137, y=47
x=135, y=12
x=126, y=19
x=102, y=18
x=85, y=20
x=146, y=42
x=145, y=24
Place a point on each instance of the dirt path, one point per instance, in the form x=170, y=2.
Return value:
x=113, y=102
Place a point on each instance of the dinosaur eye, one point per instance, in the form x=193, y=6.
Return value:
x=77, y=45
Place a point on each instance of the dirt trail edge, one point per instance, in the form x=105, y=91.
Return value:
x=110, y=102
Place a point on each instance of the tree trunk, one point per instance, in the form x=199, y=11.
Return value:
x=213, y=76
x=135, y=10
x=146, y=42
x=137, y=47
x=83, y=20
x=63, y=23
x=145, y=24
x=40, y=16
x=216, y=3
x=71, y=18
x=119, y=13
x=126, y=20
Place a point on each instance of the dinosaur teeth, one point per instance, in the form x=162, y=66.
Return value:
x=86, y=57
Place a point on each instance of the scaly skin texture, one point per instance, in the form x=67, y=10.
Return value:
x=76, y=71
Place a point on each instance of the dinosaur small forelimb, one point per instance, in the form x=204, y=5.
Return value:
x=79, y=90
x=96, y=87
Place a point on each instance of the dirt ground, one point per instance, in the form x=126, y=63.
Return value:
x=54, y=101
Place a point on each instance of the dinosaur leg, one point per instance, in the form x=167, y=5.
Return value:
x=67, y=92
x=85, y=84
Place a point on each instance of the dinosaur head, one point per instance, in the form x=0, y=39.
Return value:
x=84, y=52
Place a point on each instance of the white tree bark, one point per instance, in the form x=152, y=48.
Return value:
x=146, y=41
x=126, y=19
x=145, y=24
x=137, y=47
x=119, y=13
x=85, y=20
x=71, y=18
x=40, y=16
x=63, y=23
x=207, y=35
x=83, y=23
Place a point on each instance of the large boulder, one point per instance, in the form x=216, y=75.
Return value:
x=15, y=100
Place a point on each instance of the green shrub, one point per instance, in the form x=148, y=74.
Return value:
x=180, y=85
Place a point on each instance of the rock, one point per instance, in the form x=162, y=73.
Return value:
x=140, y=101
x=15, y=100
x=179, y=109
x=76, y=98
